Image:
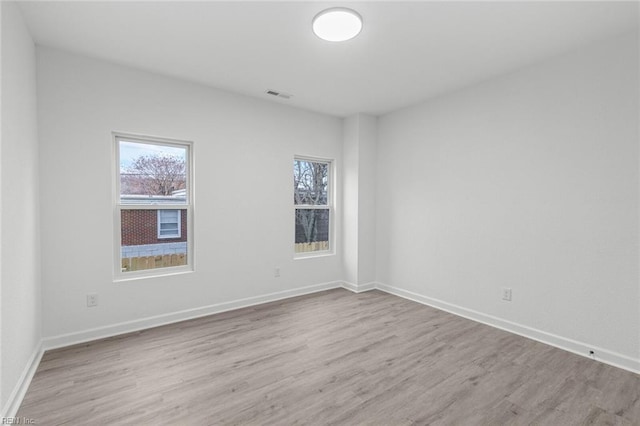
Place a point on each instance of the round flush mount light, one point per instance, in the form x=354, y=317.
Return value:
x=337, y=24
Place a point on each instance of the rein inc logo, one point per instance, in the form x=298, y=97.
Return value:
x=18, y=421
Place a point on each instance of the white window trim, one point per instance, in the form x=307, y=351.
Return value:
x=331, y=175
x=165, y=237
x=119, y=275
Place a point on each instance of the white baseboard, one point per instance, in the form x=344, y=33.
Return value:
x=164, y=319
x=358, y=288
x=579, y=348
x=17, y=395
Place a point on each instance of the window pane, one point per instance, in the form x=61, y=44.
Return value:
x=310, y=182
x=152, y=174
x=169, y=224
x=142, y=246
x=169, y=216
x=312, y=230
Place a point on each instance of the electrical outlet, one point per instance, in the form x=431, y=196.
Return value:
x=506, y=294
x=92, y=300
x=276, y=272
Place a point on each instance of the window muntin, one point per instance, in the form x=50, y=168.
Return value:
x=154, y=206
x=313, y=206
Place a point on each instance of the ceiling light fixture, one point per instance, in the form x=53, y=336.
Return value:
x=337, y=24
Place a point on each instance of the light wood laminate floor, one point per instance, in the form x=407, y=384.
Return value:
x=328, y=358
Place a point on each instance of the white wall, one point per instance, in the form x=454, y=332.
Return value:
x=529, y=181
x=20, y=251
x=349, y=204
x=367, y=199
x=358, y=202
x=244, y=150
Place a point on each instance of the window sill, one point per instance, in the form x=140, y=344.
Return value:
x=151, y=273
x=313, y=255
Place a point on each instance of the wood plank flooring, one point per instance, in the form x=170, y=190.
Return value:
x=334, y=358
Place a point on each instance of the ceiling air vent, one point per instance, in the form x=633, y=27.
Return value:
x=279, y=94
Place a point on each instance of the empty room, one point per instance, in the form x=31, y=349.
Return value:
x=323, y=213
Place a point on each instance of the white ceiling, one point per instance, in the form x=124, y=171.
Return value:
x=407, y=51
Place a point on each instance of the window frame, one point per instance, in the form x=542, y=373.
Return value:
x=118, y=207
x=179, y=223
x=330, y=206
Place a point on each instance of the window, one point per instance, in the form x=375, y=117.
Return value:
x=313, y=206
x=169, y=224
x=153, y=206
